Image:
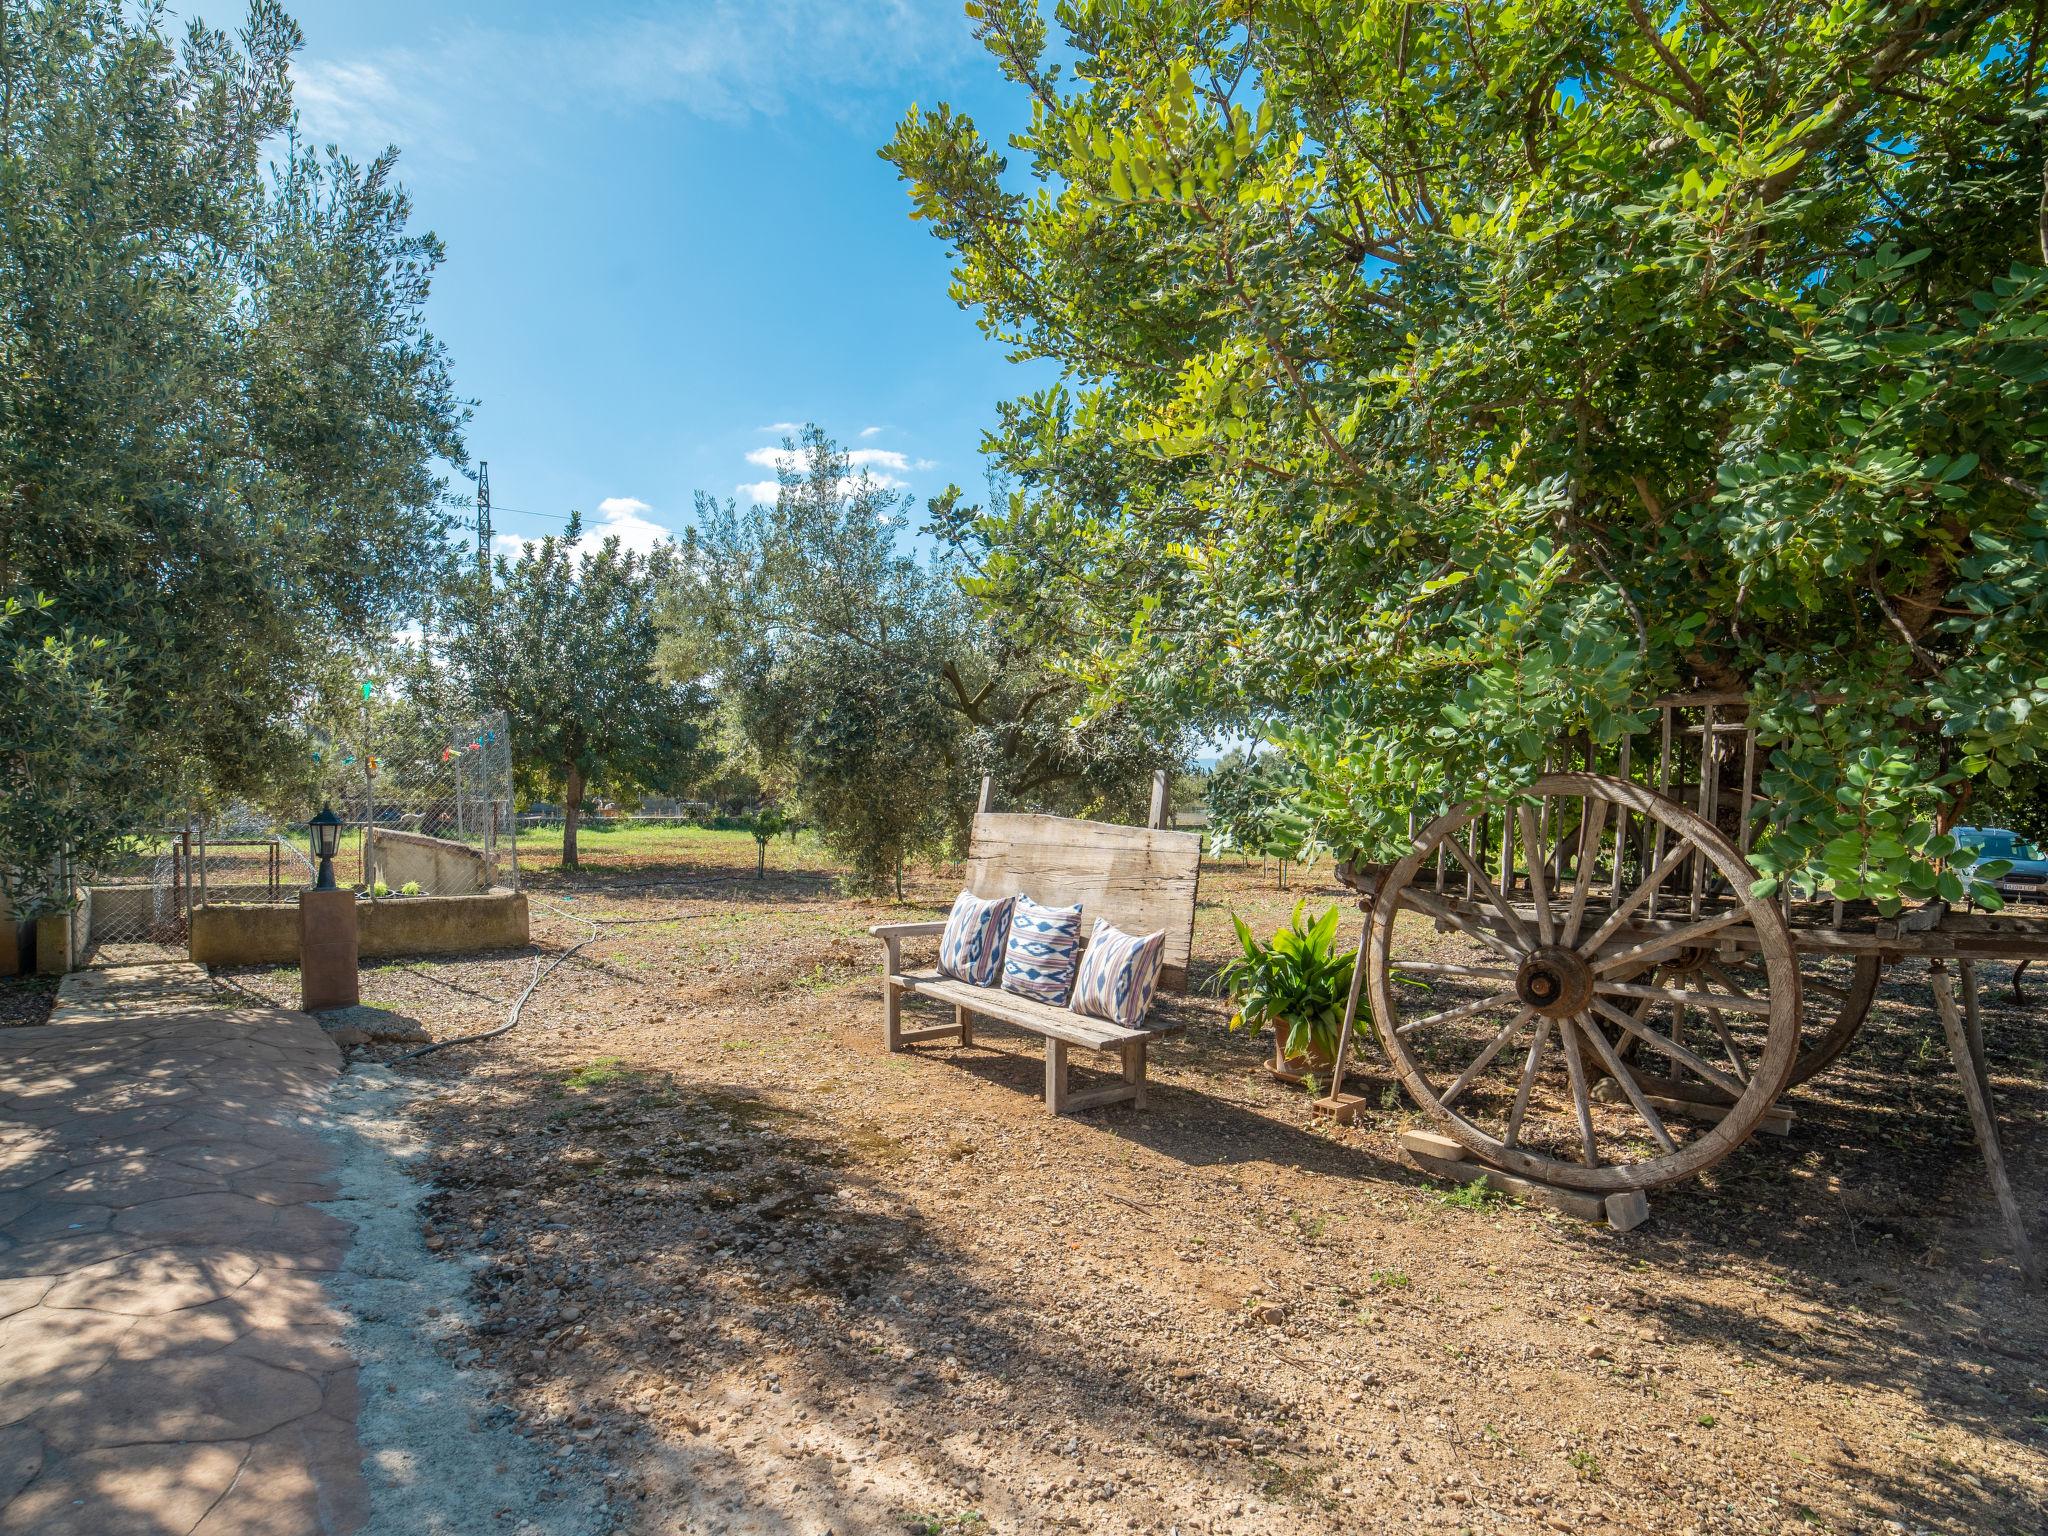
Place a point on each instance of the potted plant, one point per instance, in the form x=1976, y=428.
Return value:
x=1297, y=983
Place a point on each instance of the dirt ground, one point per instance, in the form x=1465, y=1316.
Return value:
x=770, y=1278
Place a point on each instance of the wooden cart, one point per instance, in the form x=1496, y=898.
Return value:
x=1624, y=1010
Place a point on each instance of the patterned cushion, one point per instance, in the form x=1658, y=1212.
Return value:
x=1118, y=975
x=972, y=949
x=1039, y=961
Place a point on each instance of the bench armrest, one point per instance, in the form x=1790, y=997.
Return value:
x=892, y=936
x=922, y=930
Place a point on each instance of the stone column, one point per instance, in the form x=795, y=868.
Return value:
x=327, y=950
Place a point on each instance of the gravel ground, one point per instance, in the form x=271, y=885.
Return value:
x=772, y=1279
x=441, y=1456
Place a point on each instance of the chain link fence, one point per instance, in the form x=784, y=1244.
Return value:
x=428, y=803
x=429, y=810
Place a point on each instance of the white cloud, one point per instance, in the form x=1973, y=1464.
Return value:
x=622, y=517
x=873, y=460
x=451, y=94
x=871, y=431
x=365, y=105
x=765, y=491
x=781, y=426
x=888, y=458
x=625, y=518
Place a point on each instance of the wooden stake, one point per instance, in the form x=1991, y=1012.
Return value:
x=1966, y=1045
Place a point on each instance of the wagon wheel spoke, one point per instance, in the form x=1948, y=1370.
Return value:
x=1589, y=848
x=1637, y=897
x=1582, y=1099
x=1732, y=1001
x=1671, y=1048
x=1596, y=1038
x=1452, y=968
x=1729, y=984
x=1678, y=938
x=1462, y=1011
x=1532, y=849
x=1484, y=1059
x=1728, y=1044
x=1431, y=907
x=1493, y=897
x=1531, y=1064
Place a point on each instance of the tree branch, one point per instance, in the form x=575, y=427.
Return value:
x=1671, y=60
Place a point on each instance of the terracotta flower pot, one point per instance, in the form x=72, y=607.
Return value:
x=1296, y=1069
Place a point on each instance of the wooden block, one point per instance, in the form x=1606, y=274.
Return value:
x=1568, y=1202
x=1628, y=1210
x=1342, y=1107
x=1691, y=1102
x=1429, y=1144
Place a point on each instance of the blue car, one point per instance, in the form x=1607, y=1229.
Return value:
x=2027, y=880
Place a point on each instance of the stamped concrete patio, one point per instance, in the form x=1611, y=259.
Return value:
x=169, y=1359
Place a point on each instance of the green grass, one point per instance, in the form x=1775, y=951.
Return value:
x=540, y=848
x=604, y=1070
x=1476, y=1196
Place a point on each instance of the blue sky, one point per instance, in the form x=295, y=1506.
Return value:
x=668, y=231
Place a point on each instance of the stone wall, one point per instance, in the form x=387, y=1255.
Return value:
x=226, y=933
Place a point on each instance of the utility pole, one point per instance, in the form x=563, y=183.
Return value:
x=483, y=521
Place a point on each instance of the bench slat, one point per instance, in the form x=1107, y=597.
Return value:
x=1025, y=1012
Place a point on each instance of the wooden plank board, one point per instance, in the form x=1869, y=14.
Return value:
x=1007, y=1008
x=1141, y=879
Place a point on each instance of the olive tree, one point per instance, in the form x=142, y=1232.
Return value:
x=221, y=419
x=565, y=643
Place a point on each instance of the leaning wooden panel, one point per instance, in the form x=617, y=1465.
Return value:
x=1141, y=879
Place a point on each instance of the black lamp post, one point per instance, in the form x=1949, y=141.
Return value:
x=326, y=843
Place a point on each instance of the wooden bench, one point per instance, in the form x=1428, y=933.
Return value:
x=1142, y=879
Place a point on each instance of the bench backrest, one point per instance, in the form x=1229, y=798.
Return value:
x=1139, y=878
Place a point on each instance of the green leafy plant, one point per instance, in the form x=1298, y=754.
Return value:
x=380, y=889
x=1297, y=982
x=1475, y=1196
x=410, y=888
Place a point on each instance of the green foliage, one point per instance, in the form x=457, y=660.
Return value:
x=566, y=647
x=65, y=782
x=220, y=417
x=861, y=683
x=1251, y=800
x=410, y=888
x=1298, y=980
x=1448, y=383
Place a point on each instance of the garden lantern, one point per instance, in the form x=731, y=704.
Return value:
x=326, y=829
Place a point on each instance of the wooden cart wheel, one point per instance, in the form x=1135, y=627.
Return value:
x=1836, y=991
x=1503, y=1043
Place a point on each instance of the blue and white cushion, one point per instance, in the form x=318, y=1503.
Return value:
x=1039, y=959
x=1118, y=975
x=976, y=931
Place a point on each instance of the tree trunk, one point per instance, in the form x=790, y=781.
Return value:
x=899, y=877
x=760, y=858
x=572, y=812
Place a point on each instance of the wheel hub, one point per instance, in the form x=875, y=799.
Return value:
x=1554, y=981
